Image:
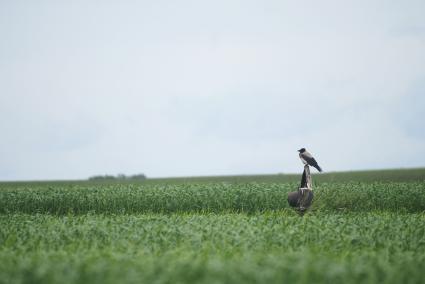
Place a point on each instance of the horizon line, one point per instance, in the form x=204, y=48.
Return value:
x=216, y=176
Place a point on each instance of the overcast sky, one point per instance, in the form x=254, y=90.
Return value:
x=183, y=88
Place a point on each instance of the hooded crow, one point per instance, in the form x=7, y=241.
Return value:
x=308, y=159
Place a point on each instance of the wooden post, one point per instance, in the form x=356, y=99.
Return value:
x=306, y=179
x=305, y=192
x=302, y=198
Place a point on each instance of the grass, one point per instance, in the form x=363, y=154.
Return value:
x=213, y=231
x=206, y=197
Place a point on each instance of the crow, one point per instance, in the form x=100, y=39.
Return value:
x=308, y=159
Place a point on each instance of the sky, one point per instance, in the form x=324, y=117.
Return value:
x=190, y=88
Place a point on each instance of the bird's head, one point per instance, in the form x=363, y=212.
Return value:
x=302, y=150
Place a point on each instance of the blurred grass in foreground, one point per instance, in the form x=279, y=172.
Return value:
x=277, y=247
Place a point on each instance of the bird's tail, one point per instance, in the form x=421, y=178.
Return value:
x=318, y=168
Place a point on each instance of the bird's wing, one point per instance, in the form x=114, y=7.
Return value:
x=309, y=159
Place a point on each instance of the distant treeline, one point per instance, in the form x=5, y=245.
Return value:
x=118, y=177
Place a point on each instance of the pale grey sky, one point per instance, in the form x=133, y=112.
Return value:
x=180, y=88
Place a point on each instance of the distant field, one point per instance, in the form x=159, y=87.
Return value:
x=417, y=174
x=363, y=227
x=408, y=175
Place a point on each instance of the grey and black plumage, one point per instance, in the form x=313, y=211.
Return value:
x=308, y=159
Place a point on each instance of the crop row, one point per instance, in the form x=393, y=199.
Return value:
x=219, y=232
x=206, y=197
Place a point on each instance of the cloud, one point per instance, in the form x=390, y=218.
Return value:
x=193, y=88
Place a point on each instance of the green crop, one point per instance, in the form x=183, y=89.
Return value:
x=201, y=231
x=206, y=197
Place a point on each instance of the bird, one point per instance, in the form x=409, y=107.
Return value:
x=308, y=159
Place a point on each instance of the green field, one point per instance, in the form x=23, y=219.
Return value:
x=363, y=227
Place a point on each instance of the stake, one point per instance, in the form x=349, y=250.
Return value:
x=305, y=192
